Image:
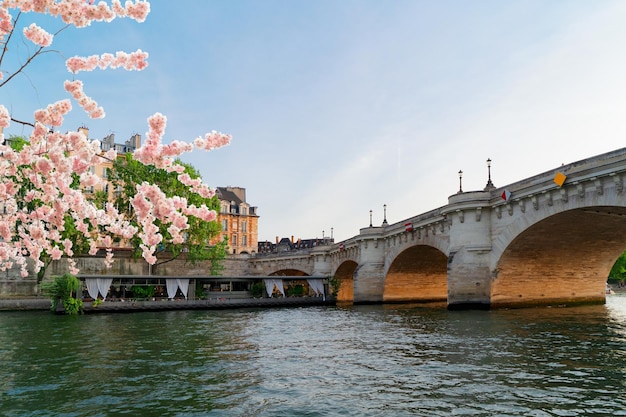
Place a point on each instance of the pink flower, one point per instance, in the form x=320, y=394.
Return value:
x=6, y=22
x=212, y=141
x=108, y=260
x=134, y=61
x=5, y=118
x=93, y=248
x=72, y=267
x=56, y=253
x=37, y=35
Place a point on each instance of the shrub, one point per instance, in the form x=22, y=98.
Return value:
x=257, y=289
x=61, y=289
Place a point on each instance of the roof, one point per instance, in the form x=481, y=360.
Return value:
x=223, y=193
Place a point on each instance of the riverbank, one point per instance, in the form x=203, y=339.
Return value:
x=17, y=303
x=118, y=306
x=210, y=304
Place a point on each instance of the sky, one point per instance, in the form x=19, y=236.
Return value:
x=340, y=107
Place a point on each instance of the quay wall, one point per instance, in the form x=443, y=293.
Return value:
x=12, y=284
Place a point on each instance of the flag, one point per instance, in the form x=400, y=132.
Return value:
x=408, y=227
x=341, y=246
x=506, y=195
x=559, y=179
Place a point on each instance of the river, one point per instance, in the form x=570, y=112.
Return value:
x=401, y=360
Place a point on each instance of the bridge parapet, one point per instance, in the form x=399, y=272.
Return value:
x=461, y=203
x=591, y=174
x=433, y=220
x=275, y=255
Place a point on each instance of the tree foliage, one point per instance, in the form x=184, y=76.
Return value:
x=126, y=173
x=62, y=289
x=618, y=272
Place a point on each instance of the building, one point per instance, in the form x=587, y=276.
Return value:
x=103, y=169
x=239, y=220
x=290, y=245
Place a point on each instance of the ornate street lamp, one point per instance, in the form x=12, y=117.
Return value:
x=489, y=185
x=460, y=181
x=370, y=218
x=385, y=215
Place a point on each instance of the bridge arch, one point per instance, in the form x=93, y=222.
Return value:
x=417, y=274
x=290, y=273
x=345, y=275
x=564, y=256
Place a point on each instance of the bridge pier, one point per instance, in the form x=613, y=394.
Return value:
x=369, y=278
x=469, y=276
x=469, y=279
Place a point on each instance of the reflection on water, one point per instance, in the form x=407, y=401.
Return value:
x=347, y=361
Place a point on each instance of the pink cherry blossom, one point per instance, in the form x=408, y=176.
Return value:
x=134, y=61
x=37, y=35
x=46, y=167
x=212, y=141
x=75, y=88
x=5, y=118
x=108, y=260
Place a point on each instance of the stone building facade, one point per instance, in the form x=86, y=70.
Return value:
x=103, y=169
x=239, y=220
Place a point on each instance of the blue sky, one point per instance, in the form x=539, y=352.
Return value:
x=338, y=107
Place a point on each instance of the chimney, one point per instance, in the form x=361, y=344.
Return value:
x=239, y=192
x=136, y=140
x=292, y=241
x=277, y=240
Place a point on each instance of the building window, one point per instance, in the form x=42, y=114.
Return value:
x=233, y=240
x=105, y=173
x=224, y=225
x=244, y=240
x=244, y=211
x=244, y=226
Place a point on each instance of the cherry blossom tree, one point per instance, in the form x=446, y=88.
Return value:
x=41, y=183
x=190, y=236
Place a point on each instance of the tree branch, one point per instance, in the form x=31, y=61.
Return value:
x=22, y=122
x=39, y=51
x=6, y=44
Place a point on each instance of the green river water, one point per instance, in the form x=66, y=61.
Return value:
x=401, y=360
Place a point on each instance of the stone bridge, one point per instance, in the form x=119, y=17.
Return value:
x=549, y=242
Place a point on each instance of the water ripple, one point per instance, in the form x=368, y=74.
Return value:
x=356, y=361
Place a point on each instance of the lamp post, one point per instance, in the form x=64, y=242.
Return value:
x=385, y=214
x=489, y=185
x=370, y=218
x=460, y=181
